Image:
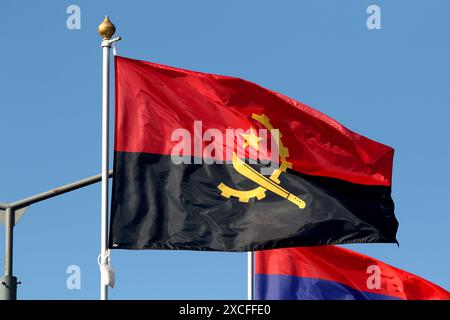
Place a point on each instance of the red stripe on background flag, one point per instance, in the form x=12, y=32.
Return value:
x=343, y=267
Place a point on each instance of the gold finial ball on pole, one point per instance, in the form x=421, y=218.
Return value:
x=106, y=29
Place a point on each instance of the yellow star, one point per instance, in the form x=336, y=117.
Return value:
x=251, y=139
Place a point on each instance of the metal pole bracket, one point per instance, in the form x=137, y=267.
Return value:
x=18, y=213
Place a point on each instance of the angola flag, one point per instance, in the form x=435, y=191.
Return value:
x=210, y=162
x=334, y=273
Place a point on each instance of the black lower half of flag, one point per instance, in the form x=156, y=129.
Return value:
x=157, y=204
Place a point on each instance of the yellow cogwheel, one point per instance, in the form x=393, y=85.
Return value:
x=244, y=196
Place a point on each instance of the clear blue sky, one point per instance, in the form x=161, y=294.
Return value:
x=392, y=85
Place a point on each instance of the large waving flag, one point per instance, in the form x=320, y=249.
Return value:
x=334, y=273
x=209, y=162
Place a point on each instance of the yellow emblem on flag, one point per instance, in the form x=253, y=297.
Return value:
x=272, y=183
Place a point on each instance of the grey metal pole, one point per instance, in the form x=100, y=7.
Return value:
x=57, y=191
x=8, y=283
x=9, y=234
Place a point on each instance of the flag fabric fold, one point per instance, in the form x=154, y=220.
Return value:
x=334, y=273
x=190, y=153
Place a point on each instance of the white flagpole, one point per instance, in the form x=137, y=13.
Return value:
x=106, y=30
x=250, y=275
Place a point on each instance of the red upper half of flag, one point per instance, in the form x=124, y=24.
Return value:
x=153, y=100
x=349, y=268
